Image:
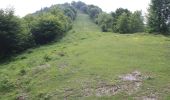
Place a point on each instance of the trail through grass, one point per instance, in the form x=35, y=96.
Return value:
x=85, y=60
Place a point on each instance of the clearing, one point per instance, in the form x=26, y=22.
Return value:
x=88, y=64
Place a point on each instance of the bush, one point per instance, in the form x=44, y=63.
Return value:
x=10, y=30
x=14, y=35
x=47, y=28
x=123, y=24
x=136, y=22
x=105, y=21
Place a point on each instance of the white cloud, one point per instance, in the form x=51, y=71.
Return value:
x=23, y=7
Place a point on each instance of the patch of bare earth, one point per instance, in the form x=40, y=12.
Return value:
x=107, y=90
x=129, y=83
x=149, y=97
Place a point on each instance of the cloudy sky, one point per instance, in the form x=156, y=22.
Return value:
x=23, y=7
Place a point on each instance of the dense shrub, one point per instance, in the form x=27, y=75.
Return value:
x=68, y=10
x=43, y=26
x=13, y=33
x=92, y=10
x=105, y=21
x=136, y=22
x=123, y=25
x=47, y=28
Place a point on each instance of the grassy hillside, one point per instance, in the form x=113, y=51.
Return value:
x=76, y=67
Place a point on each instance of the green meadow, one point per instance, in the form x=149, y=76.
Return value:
x=76, y=66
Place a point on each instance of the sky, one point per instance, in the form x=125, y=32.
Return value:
x=23, y=7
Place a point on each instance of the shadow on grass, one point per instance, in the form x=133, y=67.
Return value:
x=7, y=58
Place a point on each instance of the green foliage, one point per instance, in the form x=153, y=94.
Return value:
x=94, y=11
x=22, y=72
x=78, y=4
x=128, y=22
x=6, y=85
x=47, y=28
x=123, y=24
x=64, y=20
x=105, y=21
x=14, y=36
x=122, y=20
x=85, y=9
x=68, y=10
x=43, y=26
x=136, y=22
x=46, y=58
x=159, y=15
x=119, y=12
x=116, y=16
x=100, y=58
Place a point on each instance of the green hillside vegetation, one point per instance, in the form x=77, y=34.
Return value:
x=84, y=58
x=41, y=27
x=78, y=52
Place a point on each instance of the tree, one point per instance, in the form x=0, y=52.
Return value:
x=10, y=31
x=159, y=16
x=123, y=24
x=105, y=21
x=116, y=16
x=119, y=12
x=94, y=11
x=136, y=22
x=68, y=10
x=47, y=28
x=78, y=4
x=84, y=9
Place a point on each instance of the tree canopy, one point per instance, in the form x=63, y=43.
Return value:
x=159, y=16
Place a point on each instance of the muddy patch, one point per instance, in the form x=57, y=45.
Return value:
x=128, y=83
x=107, y=90
x=149, y=97
x=134, y=76
x=131, y=83
x=88, y=92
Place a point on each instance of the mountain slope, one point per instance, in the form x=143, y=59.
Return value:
x=77, y=66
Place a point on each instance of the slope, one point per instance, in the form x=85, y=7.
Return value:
x=85, y=63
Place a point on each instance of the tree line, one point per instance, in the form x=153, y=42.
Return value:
x=125, y=21
x=51, y=23
x=41, y=27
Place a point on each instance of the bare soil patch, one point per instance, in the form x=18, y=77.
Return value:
x=107, y=90
x=129, y=83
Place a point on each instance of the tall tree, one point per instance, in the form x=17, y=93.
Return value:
x=105, y=21
x=136, y=22
x=159, y=16
x=123, y=24
x=116, y=16
x=10, y=30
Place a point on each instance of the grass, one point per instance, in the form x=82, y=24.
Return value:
x=84, y=58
